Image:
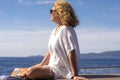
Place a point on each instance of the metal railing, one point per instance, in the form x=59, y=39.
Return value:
x=94, y=68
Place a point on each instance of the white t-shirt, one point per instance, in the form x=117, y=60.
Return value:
x=60, y=45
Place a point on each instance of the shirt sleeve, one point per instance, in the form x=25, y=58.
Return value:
x=69, y=40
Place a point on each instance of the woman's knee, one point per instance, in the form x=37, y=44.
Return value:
x=41, y=72
x=32, y=73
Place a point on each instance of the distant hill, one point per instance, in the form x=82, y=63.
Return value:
x=107, y=54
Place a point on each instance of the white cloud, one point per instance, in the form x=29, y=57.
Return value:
x=115, y=9
x=39, y=2
x=26, y=2
x=98, y=40
x=25, y=43
x=81, y=3
x=22, y=1
x=2, y=13
x=45, y=2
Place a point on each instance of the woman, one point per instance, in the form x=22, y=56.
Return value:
x=62, y=58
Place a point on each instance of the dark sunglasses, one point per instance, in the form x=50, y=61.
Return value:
x=51, y=11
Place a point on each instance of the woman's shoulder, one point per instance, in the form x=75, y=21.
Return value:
x=67, y=28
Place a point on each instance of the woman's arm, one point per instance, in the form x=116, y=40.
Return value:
x=45, y=61
x=73, y=66
x=72, y=62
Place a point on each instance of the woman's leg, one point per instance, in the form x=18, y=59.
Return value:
x=40, y=72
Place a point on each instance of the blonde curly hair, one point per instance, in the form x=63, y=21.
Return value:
x=66, y=13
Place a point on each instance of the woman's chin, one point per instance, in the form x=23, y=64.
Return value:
x=52, y=20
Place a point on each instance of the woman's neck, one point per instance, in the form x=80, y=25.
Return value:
x=58, y=23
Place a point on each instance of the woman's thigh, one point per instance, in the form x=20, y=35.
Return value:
x=41, y=72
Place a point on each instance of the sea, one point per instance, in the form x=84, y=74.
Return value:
x=8, y=64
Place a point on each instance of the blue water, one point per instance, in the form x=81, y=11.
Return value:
x=7, y=64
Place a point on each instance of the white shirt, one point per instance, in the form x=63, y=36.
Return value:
x=60, y=45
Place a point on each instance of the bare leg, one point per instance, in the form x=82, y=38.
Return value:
x=40, y=72
x=79, y=78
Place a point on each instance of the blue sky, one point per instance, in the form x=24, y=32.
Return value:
x=25, y=26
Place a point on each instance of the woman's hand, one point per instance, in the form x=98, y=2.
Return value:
x=79, y=78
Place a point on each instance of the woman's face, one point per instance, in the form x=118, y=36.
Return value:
x=54, y=15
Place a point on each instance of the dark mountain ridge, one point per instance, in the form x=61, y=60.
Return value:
x=106, y=54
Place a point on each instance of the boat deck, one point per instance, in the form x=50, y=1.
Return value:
x=104, y=77
x=100, y=77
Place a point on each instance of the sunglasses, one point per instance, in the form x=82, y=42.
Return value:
x=51, y=11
